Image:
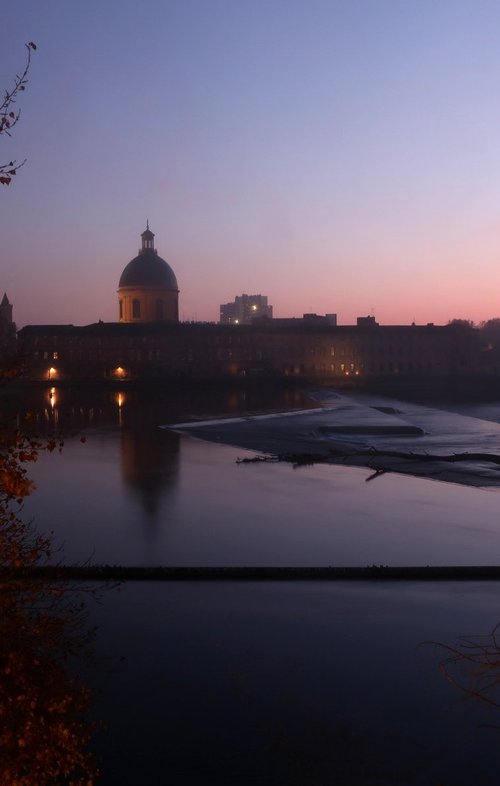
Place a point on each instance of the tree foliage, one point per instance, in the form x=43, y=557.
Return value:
x=9, y=115
x=490, y=334
x=463, y=323
x=491, y=324
x=44, y=735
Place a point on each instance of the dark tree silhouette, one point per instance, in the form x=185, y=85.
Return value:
x=44, y=637
x=463, y=323
x=9, y=115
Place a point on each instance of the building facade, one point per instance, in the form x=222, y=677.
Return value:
x=316, y=352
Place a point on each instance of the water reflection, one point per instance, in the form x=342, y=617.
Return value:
x=149, y=457
x=103, y=498
x=120, y=401
x=150, y=465
x=74, y=408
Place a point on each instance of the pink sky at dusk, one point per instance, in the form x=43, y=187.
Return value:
x=336, y=157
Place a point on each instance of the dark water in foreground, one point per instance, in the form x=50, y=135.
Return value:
x=268, y=683
x=283, y=683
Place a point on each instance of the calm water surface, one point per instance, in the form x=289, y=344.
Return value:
x=137, y=494
x=307, y=684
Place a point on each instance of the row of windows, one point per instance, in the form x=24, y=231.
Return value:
x=227, y=355
x=79, y=354
x=201, y=347
x=199, y=354
x=312, y=351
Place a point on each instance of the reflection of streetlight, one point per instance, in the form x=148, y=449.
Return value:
x=53, y=403
x=120, y=399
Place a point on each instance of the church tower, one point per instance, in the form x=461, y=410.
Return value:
x=5, y=310
x=7, y=328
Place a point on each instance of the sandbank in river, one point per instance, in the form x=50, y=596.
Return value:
x=345, y=425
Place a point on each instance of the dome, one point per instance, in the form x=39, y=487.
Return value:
x=148, y=290
x=148, y=270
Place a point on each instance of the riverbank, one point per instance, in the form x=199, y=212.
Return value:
x=120, y=573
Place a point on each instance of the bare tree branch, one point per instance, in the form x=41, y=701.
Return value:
x=9, y=116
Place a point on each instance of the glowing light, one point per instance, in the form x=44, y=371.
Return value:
x=254, y=307
x=52, y=372
x=119, y=372
x=120, y=399
x=52, y=397
x=236, y=321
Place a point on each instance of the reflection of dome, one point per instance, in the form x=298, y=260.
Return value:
x=150, y=464
x=148, y=290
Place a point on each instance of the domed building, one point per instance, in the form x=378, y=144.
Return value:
x=148, y=290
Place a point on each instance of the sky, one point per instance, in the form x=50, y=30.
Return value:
x=335, y=155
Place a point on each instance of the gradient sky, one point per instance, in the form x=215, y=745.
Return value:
x=335, y=155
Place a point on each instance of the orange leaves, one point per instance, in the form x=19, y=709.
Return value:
x=44, y=737
x=15, y=451
x=15, y=485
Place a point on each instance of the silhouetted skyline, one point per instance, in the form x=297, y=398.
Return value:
x=340, y=157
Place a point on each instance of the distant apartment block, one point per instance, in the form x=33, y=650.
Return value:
x=244, y=309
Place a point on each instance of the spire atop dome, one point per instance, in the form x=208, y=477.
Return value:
x=148, y=239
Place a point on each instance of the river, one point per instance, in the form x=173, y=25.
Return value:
x=262, y=682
